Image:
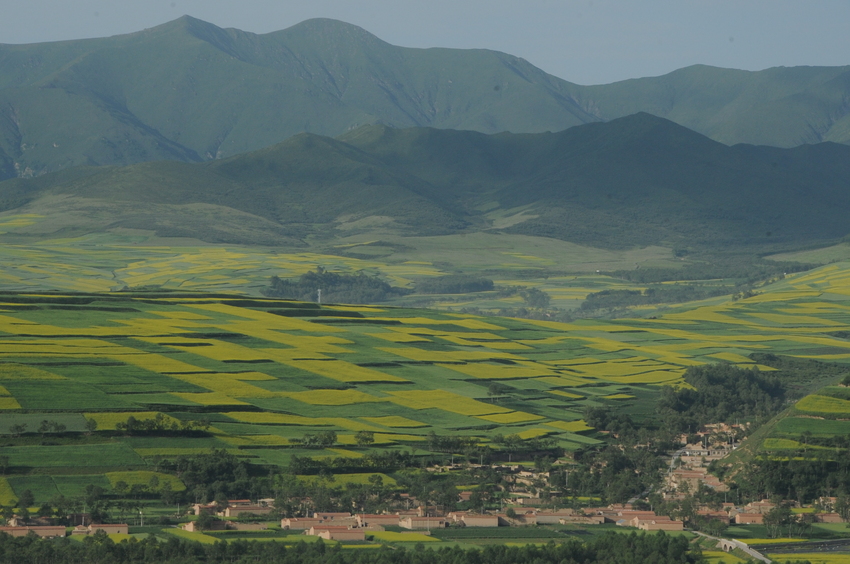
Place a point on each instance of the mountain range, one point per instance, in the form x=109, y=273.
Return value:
x=190, y=91
x=636, y=180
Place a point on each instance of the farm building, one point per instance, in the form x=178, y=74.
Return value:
x=470, y=520
x=550, y=517
x=657, y=524
x=300, y=523
x=584, y=519
x=422, y=523
x=762, y=506
x=474, y=519
x=749, y=519
x=332, y=516
x=337, y=533
x=44, y=532
x=366, y=520
x=237, y=510
x=199, y=508
x=828, y=518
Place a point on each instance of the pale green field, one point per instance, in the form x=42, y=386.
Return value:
x=132, y=258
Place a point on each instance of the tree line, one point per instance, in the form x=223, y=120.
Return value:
x=611, y=548
x=357, y=288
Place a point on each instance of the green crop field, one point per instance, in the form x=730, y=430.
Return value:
x=265, y=373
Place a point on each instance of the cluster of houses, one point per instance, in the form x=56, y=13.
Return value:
x=693, y=477
x=753, y=513
x=236, y=508
x=345, y=526
x=51, y=531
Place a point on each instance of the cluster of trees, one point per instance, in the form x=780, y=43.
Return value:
x=745, y=268
x=611, y=548
x=357, y=288
x=674, y=293
x=514, y=444
x=454, y=284
x=533, y=297
x=160, y=425
x=374, y=461
x=218, y=474
x=800, y=376
x=617, y=473
x=46, y=426
x=322, y=439
x=94, y=502
x=797, y=475
x=451, y=443
x=722, y=393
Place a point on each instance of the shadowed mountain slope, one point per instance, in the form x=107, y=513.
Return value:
x=638, y=180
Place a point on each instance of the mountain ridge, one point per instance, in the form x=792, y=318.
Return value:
x=189, y=90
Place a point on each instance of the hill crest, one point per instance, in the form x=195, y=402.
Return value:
x=190, y=90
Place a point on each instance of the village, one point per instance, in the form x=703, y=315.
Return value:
x=532, y=502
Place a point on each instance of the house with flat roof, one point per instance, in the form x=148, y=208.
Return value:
x=414, y=523
x=237, y=510
x=299, y=522
x=46, y=532
x=337, y=533
x=371, y=520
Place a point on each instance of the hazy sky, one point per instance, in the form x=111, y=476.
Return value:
x=583, y=41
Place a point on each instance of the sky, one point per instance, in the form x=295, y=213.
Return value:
x=582, y=41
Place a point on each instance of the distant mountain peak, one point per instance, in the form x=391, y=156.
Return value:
x=331, y=32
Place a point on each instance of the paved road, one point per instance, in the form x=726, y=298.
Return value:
x=738, y=544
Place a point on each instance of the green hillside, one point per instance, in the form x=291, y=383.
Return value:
x=189, y=91
x=632, y=182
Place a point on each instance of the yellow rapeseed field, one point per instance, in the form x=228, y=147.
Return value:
x=446, y=356
x=400, y=337
x=9, y=403
x=332, y=397
x=566, y=394
x=394, y=421
x=209, y=398
x=502, y=371
x=343, y=371
x=107, y=421
x=447, y=401
x=823, y=404
x=7, y=494
x=512, y=417
x=570, y=426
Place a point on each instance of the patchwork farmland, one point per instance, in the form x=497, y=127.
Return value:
x=258, y=375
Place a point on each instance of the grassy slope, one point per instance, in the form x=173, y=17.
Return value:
x=188, y=90
x=638, y=180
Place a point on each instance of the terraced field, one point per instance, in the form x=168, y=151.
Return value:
x=264, y=373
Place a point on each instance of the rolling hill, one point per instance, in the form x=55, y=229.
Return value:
x=634, y=181
x=190, y=91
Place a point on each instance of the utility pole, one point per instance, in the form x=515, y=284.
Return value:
x=320, y=296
